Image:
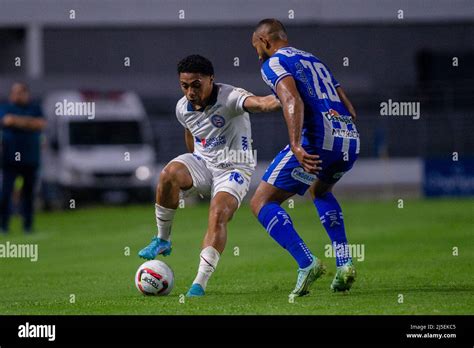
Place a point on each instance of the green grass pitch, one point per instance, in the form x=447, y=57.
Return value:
x=408, y=252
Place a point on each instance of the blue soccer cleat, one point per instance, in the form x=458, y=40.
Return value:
x=156, y=247
x=196, y=290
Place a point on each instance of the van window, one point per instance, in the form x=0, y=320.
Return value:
x=105, y=133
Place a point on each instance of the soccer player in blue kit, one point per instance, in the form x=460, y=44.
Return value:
x=323, y=145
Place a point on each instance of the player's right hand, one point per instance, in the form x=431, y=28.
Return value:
x=310, y=163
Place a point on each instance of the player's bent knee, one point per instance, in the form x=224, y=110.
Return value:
x=167, y=175
x=175, y=174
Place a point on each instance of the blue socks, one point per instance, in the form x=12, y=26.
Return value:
x=331, y=217
x=278, y=224
x=280, y=227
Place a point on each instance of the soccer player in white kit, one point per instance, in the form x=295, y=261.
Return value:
x=219, y=163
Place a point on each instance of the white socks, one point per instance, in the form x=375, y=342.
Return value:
x=208, y=264
x=209, y=255
x=164, y=220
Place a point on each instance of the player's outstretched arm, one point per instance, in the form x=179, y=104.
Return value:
x=293, y=110
x=347, y=102
x=255, y=104
x=189, y=139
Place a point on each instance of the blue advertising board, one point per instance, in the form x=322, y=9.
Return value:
x=446, y=177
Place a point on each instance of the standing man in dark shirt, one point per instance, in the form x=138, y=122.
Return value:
x=21, y=122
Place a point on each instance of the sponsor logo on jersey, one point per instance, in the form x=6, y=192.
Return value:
x=245, y=143
x=345, y=133
x=225, y=165
x=210, y=143
x=218, y=121
x=299, y=174
x=333, y=115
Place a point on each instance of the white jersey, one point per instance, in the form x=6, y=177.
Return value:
x=221, y=131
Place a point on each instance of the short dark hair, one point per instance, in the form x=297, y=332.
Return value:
x=274, y=28
x=196, y=64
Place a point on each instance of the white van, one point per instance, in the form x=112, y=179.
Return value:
x=98, y=143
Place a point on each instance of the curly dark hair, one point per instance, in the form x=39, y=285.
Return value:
x=196, y=64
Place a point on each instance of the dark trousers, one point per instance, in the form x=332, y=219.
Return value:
x=30, y=177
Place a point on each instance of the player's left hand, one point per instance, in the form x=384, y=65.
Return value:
x=310, y=163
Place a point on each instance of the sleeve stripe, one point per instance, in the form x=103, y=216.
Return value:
x=276, y=66
x=281, y=78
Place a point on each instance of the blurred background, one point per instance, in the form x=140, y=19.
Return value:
x=123, y=54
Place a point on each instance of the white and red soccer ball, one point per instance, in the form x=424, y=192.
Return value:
x=154, y=278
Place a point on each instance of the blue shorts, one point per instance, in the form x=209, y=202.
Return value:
x=286, y=173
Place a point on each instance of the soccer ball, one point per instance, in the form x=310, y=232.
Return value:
x=154, y=278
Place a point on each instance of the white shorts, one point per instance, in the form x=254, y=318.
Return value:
x=207, y=181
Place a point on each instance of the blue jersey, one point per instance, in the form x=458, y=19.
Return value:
x=20, y=147
x=327, y=122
